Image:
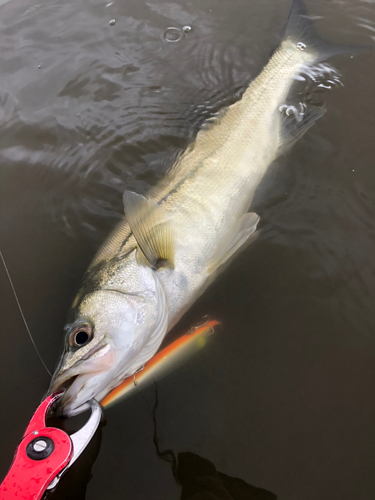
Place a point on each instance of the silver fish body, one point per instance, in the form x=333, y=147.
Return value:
x=169, y=247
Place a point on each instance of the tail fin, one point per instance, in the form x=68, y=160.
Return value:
x=300, y=28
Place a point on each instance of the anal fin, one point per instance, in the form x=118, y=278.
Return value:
x=295, y=123
x=240, y=232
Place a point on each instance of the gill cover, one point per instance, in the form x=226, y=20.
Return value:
x=127, y=331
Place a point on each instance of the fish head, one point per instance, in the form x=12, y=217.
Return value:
x=114, y=332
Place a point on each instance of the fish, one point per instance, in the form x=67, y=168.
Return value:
x=163, y=362
x=171, y=244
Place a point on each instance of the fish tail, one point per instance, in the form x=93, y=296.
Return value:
x=300, y=28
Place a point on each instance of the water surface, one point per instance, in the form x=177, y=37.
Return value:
x=283, y=396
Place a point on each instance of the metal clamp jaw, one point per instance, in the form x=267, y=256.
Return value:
x=46, y=453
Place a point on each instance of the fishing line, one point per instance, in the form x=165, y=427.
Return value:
x=23, y=317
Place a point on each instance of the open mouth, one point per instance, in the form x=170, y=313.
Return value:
x=98, y=358
x=62, y=383
x=65, y=385
x=83, y=380
x=72, y=402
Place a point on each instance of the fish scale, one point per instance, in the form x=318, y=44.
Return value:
x=214, y=182
x=242, y=144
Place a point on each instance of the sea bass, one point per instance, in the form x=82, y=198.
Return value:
x=171, y=245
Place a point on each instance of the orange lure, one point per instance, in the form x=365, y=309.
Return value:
x=163, y=362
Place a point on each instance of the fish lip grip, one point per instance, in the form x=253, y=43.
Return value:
x=46, y=453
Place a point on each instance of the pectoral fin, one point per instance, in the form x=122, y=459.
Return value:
x=151, y=228
x=234, y=239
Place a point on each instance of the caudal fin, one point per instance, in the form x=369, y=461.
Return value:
x=301, y=29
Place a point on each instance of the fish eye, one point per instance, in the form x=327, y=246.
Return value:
x=81, y=336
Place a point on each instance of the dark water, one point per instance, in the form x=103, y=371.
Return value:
x=283, y=397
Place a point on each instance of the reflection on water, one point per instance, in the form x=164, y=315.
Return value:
x=199, y=478
x=284, y=396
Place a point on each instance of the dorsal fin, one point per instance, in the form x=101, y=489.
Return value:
x=151, y=227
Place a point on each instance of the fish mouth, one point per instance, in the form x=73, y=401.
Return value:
x=61, y=387
x=63, y=378
x=75, y=393
x=75, y=381
x=62, y=384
